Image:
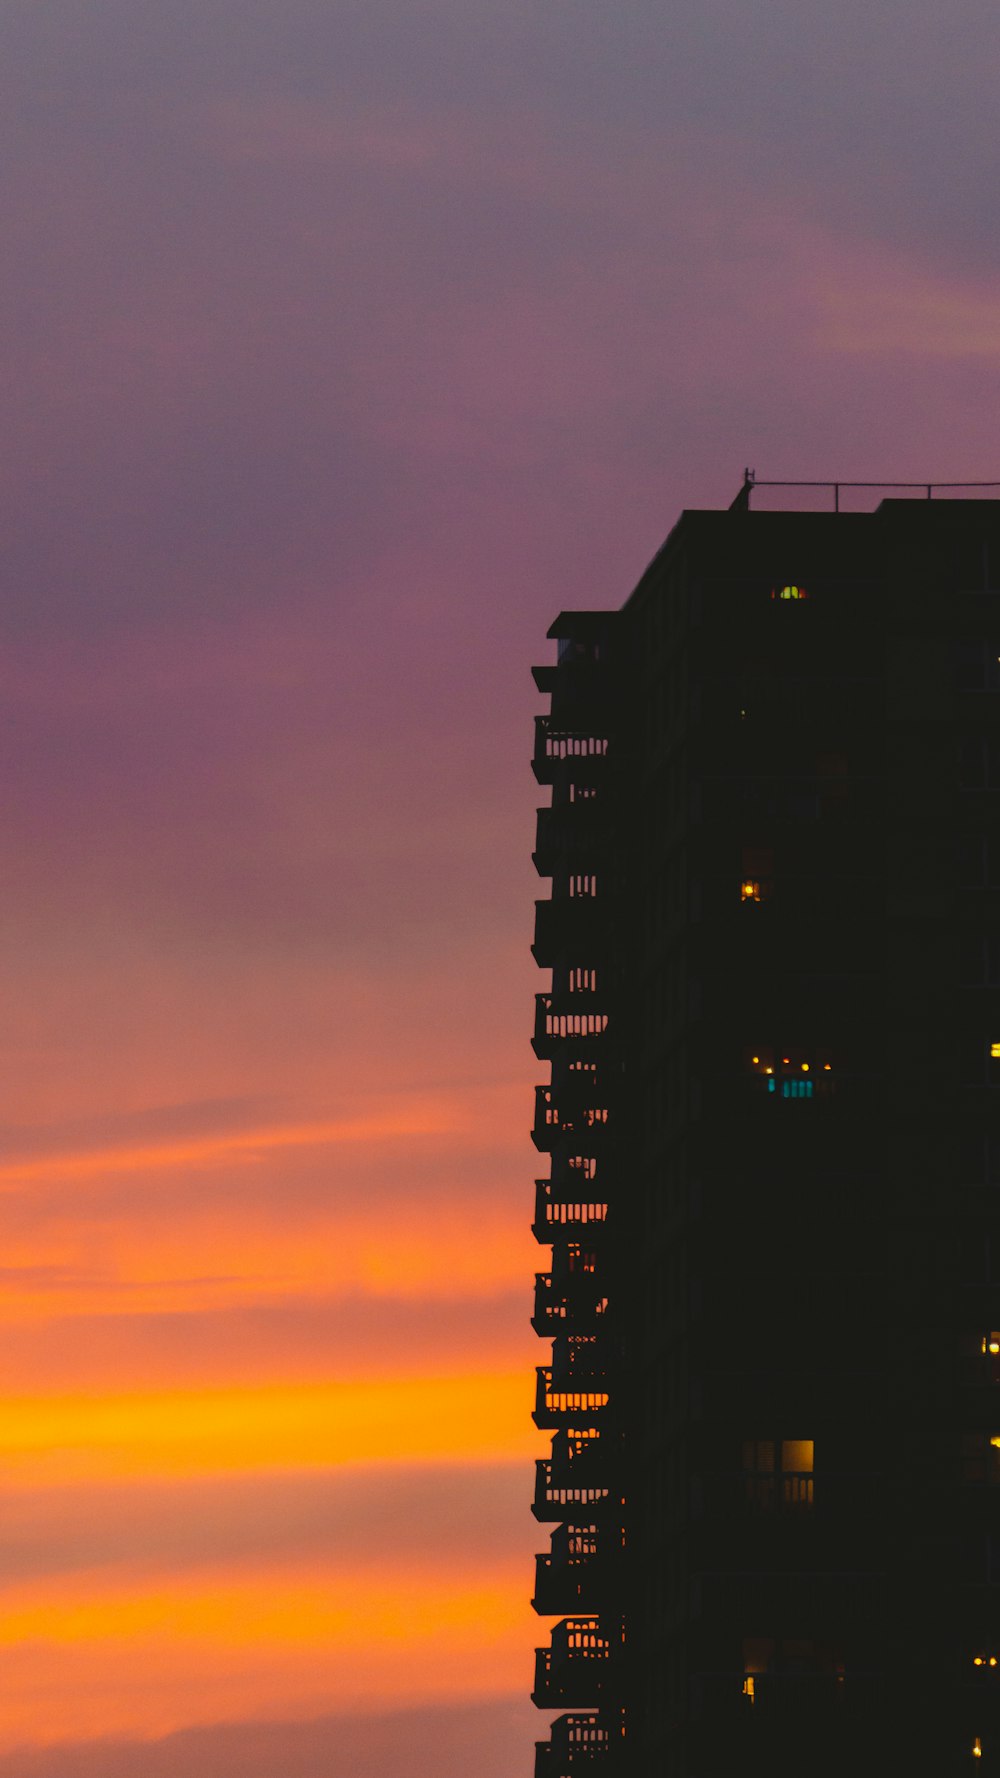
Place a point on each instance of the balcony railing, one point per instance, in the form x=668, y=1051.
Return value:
x=580, y=1571
x=571, y=930
x=579, y=1668
x=577, y=1031
x=580, y=1361
x=558, y=1500
x=568, y=1305
x=564, y=1114
x=576, y=834
x=582, y=1741
x=557, y=1407
x=555, y=1216
x=580, y=1586
x=561, y=751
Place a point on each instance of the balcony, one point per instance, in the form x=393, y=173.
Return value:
x=557, y=1407
x=558, y=1500
x=572, y=755
x=574, y=835
x=556, y=1217
x=580, y=1667
x=579, y=1361
x=572, y=929
x=579, y=1574
x=583, y=1741
x=568, y=1306
x=569, y=1029
x=565, y=1115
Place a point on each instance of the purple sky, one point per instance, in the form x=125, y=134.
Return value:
x=343, y=345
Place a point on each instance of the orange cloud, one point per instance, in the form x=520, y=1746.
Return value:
x=202, y=1260
x=433, y=1117
x=201, y=1263
x=154, y=1653
x=471, y=1416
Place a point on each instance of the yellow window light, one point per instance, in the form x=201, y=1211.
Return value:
x=977, y=1660
x=995, y=1050
x=977, y=1748
x=994, y=1344
x=748, y=1687
x=749, y=889
x=827, y=1067
x=805, y=1068
x=995, y=1441
x=993, y=1660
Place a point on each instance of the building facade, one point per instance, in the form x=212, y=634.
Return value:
x=773, y=1132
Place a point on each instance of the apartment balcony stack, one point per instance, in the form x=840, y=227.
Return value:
x=580, y=1579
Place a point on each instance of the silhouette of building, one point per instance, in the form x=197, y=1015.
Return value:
x=773, y=1124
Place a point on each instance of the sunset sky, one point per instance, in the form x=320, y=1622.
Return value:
x=344, y=343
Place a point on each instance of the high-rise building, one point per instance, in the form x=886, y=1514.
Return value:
x=773, y=1124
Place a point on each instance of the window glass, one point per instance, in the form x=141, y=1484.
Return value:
x=797, y=1454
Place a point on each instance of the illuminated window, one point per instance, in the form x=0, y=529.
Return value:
x=991, y=1344
x=755, y=873
x=768, y=1663
x=788, y=593
x=778, y=1472
x=977, y=1748
x=791, y=1074
x=792, y=1089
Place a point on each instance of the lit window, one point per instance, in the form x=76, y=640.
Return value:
x=792, y=1089
x=789, y=1074
x=991, y=1345
x=977, y=1748
x=756, y=871
x=778, y=1472
x=748, y=1687
x=787, y=593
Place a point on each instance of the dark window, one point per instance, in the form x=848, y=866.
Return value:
x=979, y=762
x=979, y=1153
x=979, y=1060
x=977, y=666
x=979, y=959
x=978, y=861
x=981, y=1457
